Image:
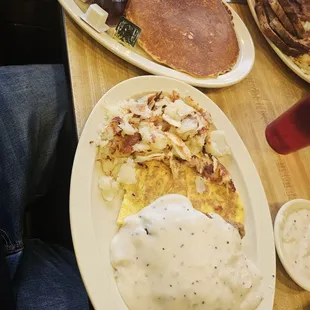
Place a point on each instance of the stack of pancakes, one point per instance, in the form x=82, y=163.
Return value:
x=287, y=24
x=195, y=37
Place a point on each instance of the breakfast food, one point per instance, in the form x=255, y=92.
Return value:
x=287, y=24
x=170, y=256
x=158, y=144
x=195, y=37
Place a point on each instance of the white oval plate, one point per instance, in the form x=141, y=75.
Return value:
x=93, y=222
x=289, y=207
x=240, y=70
x=283, y=57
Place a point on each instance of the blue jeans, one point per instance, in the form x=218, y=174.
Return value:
x=33, y=107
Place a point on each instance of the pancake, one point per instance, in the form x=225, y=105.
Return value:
x=195, y=37
x=155, y=179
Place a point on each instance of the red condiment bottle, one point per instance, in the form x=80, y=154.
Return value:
x=291, y=130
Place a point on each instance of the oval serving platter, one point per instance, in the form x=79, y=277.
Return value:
x=140, y=59
x=286, y=59
x=93, y=221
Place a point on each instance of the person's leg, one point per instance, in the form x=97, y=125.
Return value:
x=48, y=279
x=33, y=106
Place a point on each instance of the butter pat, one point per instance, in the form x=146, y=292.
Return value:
x=96, y=17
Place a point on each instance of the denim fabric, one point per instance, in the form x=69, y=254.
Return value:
x=48, y=278
x=33, y=106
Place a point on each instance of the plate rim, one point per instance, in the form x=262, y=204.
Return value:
x=246, y=45
x=287, y=61
x=85, y=241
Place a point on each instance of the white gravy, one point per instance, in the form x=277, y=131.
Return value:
x=296, y=241
x=170, y=256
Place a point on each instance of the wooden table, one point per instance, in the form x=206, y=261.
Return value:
x=250, y=105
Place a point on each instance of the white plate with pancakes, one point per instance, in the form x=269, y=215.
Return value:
x=140, y=59
x=286, y=59
x=93, y=221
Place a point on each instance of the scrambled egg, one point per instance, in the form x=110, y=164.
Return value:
x=155, y=179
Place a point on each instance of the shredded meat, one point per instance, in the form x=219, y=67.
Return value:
x=232, y=185
x=128, y=141
x=218, y=208
x=114, y=124
x=208, y=171
x=174, y=96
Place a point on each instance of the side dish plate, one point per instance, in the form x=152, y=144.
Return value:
x=286, y=59
x=140, y=59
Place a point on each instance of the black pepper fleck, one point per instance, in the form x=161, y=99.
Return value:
x=203, y=302
x=146, y=230
x=195, y=293
x=180, y=228
x=193, y=283
x=137, y=257
x=147, y=265
x=193, y=234
x=184, y=295
x=133, y=195
x=163, y=249
x=273, y=275
x=216, y=247
x=227, y=242
x=170, y=285
x=182, y=245
x=215, y=267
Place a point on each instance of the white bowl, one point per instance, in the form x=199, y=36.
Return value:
x=289, y=208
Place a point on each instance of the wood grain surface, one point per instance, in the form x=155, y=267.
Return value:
x=250, y=105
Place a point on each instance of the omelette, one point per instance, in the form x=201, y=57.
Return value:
x=162, y=144
x=195, y=37
x=154, y=179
